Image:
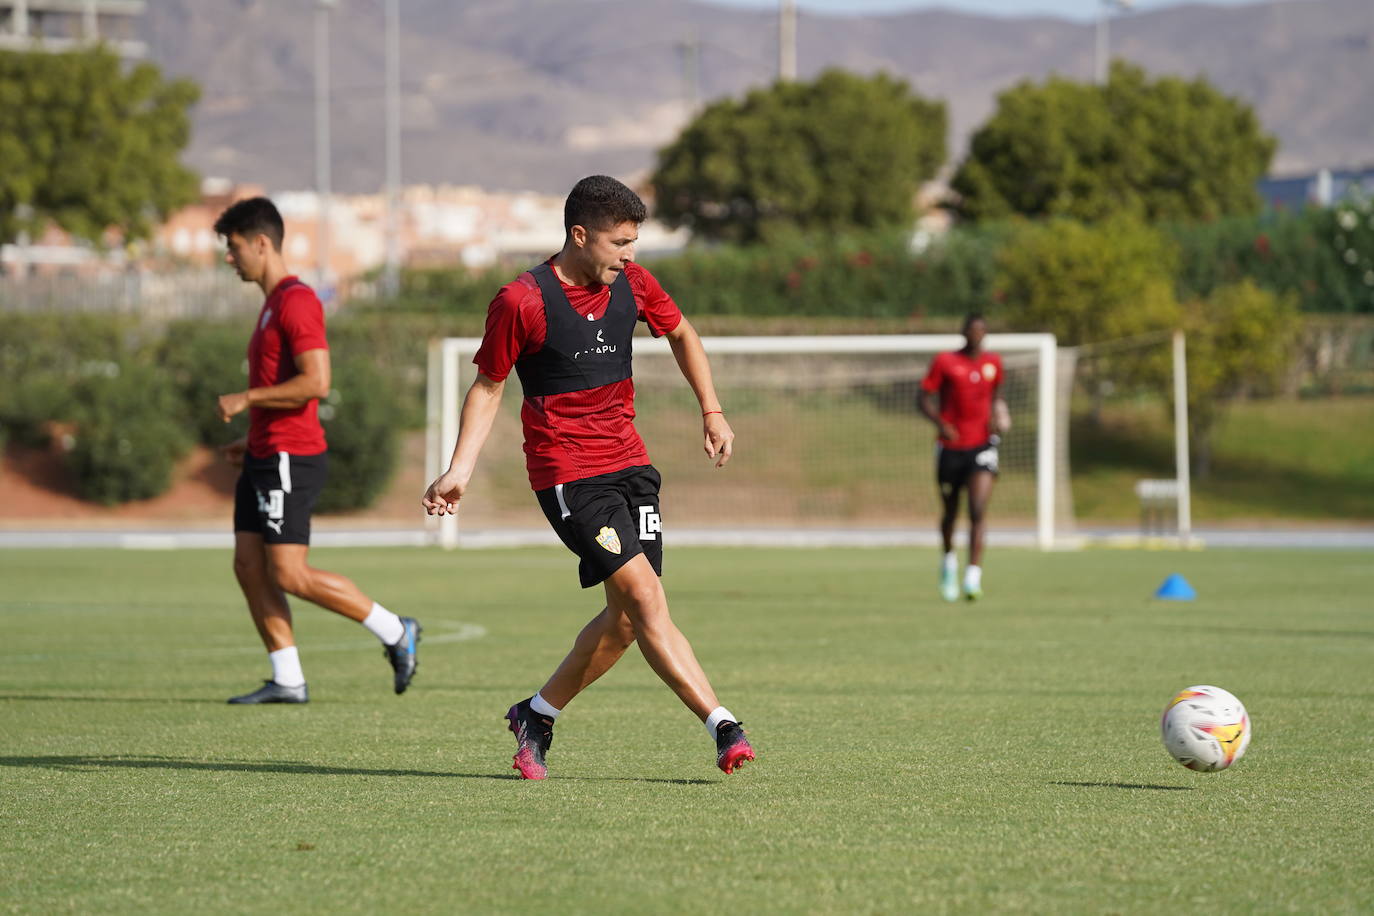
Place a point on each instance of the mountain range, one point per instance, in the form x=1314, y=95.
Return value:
x=532, y=94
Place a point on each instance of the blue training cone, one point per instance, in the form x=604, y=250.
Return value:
x=1176, y=588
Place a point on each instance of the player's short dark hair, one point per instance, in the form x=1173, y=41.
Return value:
x=600, y=202
x=250, y=217
x=971, y=317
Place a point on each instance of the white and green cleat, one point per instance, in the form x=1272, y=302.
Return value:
x=949, y=584
x=973, y=583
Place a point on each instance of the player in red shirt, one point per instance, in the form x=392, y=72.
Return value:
x=970, y=418
x=566, y=328
x=284, y=461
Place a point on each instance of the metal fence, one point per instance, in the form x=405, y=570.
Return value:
x=155, y=296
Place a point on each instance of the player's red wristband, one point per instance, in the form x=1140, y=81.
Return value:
x=709, y=412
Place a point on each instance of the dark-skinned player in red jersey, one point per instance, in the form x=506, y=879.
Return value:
x=284, y=461
x=566, y=328
x=971, y=417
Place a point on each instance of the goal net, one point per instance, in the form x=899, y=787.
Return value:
x=831, y=447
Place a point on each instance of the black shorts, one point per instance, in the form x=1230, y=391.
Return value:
x=275, y=496
x=607, y=520
x=954, y=466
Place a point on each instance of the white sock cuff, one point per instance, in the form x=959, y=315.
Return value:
x=718, y=715
x=286, y=667
x=385, y=625
x=543, y=706
x=951, y=560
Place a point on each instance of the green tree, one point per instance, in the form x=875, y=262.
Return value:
x=843, y=152
x=1240, y=339
x=1168, y=149
x=89, y=144
x=1090, y=284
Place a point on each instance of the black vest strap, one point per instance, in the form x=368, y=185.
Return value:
x=579, y=354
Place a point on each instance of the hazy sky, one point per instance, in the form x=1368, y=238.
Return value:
x=1072, y=9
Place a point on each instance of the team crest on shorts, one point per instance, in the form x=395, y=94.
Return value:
x=608, y=539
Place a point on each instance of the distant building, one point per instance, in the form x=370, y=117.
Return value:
x=444, y=226
x=65, y=25
x=1318, y=189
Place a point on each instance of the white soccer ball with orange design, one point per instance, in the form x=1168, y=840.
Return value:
x=1205, y=728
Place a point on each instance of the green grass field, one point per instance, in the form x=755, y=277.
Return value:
x=913, y=756
x=1275, y=459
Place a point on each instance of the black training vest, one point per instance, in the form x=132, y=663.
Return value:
x=579, y=354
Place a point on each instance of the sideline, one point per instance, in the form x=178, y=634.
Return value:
x=1121, y=537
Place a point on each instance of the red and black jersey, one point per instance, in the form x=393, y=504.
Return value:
x=290, y=323
x=967, y=387
x=575, y=434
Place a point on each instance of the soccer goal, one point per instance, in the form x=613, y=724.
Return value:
x=831, y=448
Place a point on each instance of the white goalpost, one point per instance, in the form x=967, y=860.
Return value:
x=831, y=450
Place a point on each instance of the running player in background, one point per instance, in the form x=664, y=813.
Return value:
x=566, y=328
x=971, y=418
x=284, y=463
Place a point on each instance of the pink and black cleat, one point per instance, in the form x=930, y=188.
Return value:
x=533, y=737
x=732, y=748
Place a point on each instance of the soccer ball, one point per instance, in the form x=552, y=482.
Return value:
x=1205, y=728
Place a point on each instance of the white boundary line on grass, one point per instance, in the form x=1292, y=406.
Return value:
x=1123, y=537
x=455, y=631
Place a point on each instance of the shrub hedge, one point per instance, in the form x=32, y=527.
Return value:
x=132, y=398
x=128, y=433
x=1323, y=256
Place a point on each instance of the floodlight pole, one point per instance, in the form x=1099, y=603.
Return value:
x=1100, y=52
x=391, y=279
x=1182, y=470
x=787, y=40
x=691, y=71
x=323, y=9
x=1102, y=58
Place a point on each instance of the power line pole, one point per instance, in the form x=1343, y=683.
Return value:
x=391, y=275
x=787, y=40
x=1102, y=57
x=323, y=8
x=690, y=48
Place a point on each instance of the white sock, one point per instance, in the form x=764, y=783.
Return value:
x=286, y=667
x=951, y=562
x=718, y=715
x=543, y=707
x=973, y=576
x=385, y=625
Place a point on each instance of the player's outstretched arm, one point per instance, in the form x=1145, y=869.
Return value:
x=474, y=425
x=719, y=438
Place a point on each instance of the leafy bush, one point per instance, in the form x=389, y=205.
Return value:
x=203, y=362
x=1323, y=257
x=868, y=275
x=1088, y=283
x=42, y=356
x=362, y=423
x=128, y=435
x=1240, y=338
